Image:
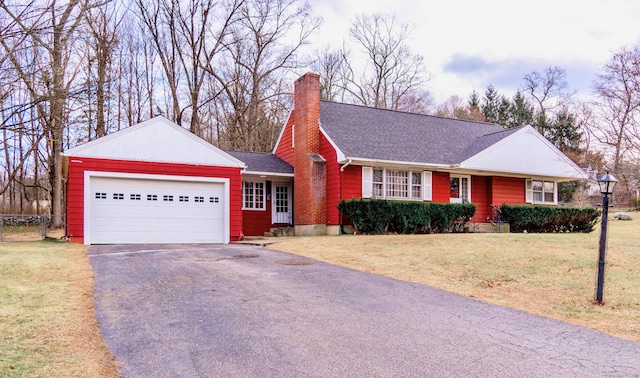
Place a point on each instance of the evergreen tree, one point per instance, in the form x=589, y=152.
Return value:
x=521, y=112
x=564, y=132
x=490, y=104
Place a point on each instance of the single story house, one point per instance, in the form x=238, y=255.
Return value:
x=155, y=182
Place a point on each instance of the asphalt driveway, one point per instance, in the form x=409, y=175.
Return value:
x=245, y=311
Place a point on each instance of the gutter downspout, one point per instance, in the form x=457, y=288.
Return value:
x=345, y=165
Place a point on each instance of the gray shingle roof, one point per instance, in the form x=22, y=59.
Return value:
x=380, y=134
x=262, y=162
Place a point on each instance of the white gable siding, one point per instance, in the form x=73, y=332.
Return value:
x=525, y=152
x=156, y=140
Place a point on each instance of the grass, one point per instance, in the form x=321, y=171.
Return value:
x=47, y=320
x=28, y=233
x=553, y=275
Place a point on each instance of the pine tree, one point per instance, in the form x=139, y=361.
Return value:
x=521, y=111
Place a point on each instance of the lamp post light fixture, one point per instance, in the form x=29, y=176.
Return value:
x=607, y=182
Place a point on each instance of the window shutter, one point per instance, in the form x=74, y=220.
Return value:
x=427, y=186
x=528, y=190
x=367, y=182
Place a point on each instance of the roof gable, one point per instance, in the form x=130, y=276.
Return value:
x=156, y=140
x=521, y=151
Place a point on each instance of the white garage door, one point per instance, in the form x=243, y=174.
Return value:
x=133, y=211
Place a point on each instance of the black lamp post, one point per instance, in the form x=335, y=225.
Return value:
x=607, y=182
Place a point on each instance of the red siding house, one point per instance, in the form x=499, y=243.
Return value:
x=155, y=182
x=341, y=151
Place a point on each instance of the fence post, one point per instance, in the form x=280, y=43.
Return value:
x=1, y=223
x=43, y=226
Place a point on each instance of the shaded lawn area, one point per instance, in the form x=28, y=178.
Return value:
x=553, y=275
x=47, y=320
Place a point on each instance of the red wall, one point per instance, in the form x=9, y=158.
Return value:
x=509, y=190
x=284, y=149
x=257, y=222
x=351, y=182
x=481, y=197
x=440, y=187
x=333, y=180
x=75, y=187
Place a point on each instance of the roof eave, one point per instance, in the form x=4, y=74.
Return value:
x=373, y=162
x=259, y=173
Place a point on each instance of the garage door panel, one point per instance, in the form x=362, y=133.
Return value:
x=124, y=210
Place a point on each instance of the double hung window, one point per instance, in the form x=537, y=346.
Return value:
x=394, y=184
x=541, y=192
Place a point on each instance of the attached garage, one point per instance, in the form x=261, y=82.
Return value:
x=152, y=183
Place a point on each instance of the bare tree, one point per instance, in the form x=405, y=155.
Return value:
x=51, y=28
x=330, y=65
x=392, y=73
x=456, y=107
x=617, y=88
x=549, y=92
x=187, y=36
x=102, y=23
x=250, y=76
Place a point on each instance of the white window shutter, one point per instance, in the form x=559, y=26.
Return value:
x=367, y=182
x=427, y=186
x=528, y=189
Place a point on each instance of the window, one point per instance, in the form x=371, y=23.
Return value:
x=396, y=184
x=152, y=197
x=378, y=183
x=135, y=197
x=167, y=198
x=253, y=195
x=416, y=184
x=101, y=195
x=541, y=191
x=198, y=199
x=214, y=199
x=118, y=196
x=183, y=198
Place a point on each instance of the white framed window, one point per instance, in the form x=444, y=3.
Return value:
x=459, y=189
x=541, y=192
x=253, y=195
x=394, y=184
x=378, y=183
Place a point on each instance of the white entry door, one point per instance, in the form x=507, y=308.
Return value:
x=460, y=189
x=281, y=203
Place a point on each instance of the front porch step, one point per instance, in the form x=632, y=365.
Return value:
x=489, y=227
x=280, y=232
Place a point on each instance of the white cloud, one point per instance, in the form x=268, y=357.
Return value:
x=468, y=44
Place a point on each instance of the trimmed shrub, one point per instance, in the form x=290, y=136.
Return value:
x=549, y=219
x=405, y=217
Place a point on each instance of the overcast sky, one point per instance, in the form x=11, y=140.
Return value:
x=469, y=44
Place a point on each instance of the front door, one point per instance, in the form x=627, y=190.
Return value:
x=459, y=189
x=281, y=203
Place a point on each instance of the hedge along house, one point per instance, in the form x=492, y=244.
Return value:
x=342, y=151
x=154, y=182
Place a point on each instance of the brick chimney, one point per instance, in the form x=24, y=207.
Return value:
x=310, y=181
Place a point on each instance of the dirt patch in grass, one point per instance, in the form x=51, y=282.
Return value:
x=48, y=326
x=552, y=275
